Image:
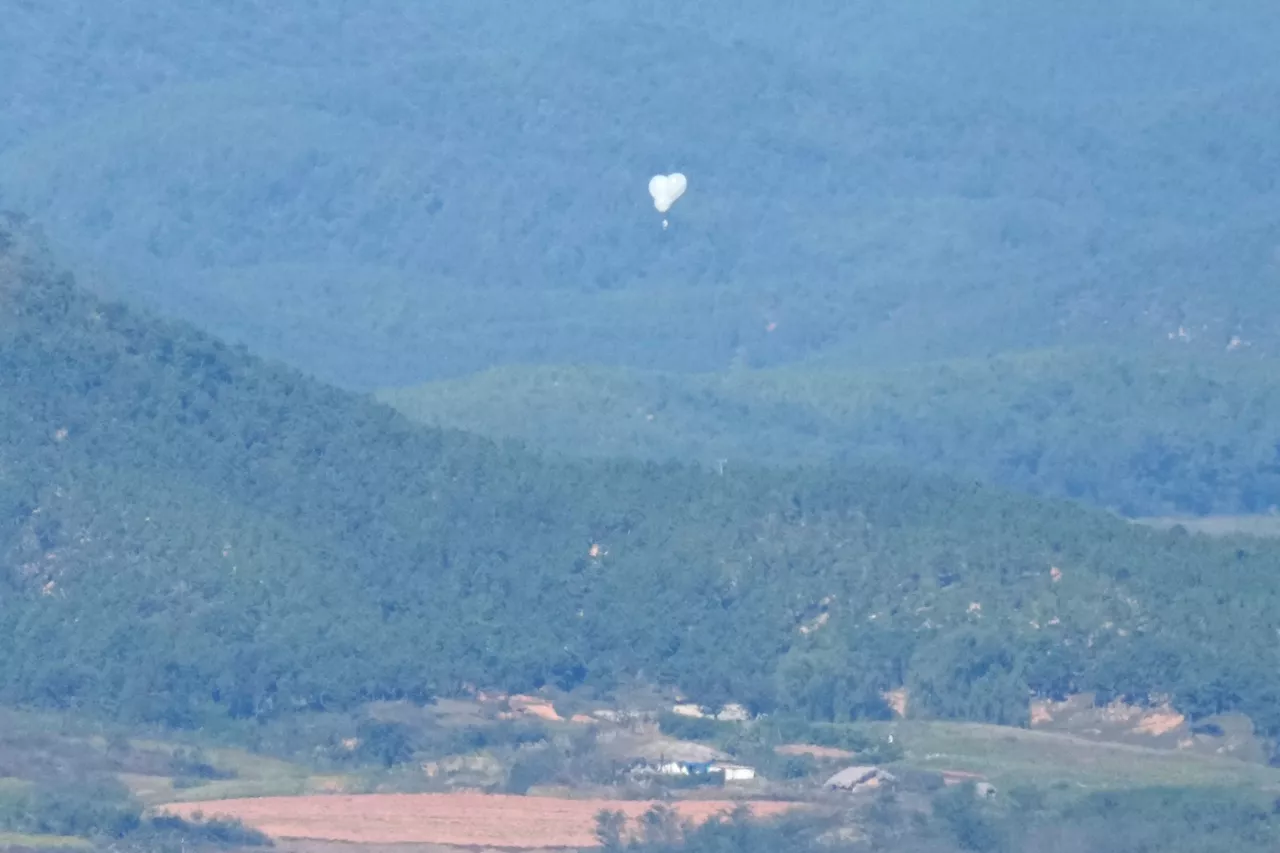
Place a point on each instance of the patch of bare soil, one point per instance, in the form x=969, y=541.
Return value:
x=458, y=820
x=957, y=777
x=814, y=750
x=1158, y=726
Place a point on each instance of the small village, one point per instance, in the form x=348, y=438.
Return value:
x=517, y=759
x=647, y=751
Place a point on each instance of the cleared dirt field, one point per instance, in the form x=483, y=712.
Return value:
x=459, y=820
x=820, y=752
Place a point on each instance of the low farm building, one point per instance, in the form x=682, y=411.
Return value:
x=858, y=778
x=734, y=772
x=731, y=772
x=731, y=713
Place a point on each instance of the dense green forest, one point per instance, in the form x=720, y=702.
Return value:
x=387, y=195
x=1143, y=435
x=188, y=530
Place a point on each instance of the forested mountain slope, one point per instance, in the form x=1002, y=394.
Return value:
x=389, y=194
x=186, y=529
x=1144, y=435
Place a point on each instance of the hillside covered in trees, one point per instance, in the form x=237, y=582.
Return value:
x=188, y=530
x=1143, y=435
x=385, y=195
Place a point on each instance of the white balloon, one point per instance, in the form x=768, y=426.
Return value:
x=665, y=189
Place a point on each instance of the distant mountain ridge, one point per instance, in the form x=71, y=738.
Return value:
x=1143, y=435
x=388, y=195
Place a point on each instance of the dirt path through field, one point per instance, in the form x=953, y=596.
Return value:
x=462, y=820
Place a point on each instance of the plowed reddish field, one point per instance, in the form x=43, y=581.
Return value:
x=463, y=820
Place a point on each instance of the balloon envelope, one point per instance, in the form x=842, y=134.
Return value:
x=665, y=189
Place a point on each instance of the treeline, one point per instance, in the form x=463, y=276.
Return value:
x=187, y=530
x=1175, y=433
x=954, y=820
x=100, y=809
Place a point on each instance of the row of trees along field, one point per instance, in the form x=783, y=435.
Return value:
x=1172, y=820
